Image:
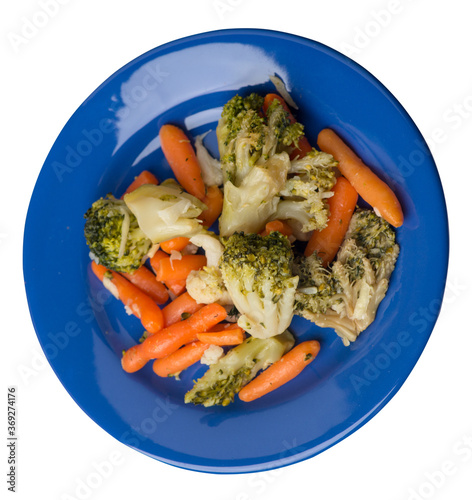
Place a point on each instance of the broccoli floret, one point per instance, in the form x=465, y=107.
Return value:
x=346, y=296
x=225, y=378
x=253, y=150
x=303, y=198
x=165, y=211
x=257, y=272
x=113, y=235
x=317, y=288
x=283, y=134
x=376, y=237
x=240, y=127
x=250, y=205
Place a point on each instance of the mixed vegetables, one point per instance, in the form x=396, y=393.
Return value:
x=291, y=240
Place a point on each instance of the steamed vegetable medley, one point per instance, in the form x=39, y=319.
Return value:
x=291, y=240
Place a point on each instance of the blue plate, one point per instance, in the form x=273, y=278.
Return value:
x=112, y=137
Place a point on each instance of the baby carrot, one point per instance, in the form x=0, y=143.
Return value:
x=177, y=244
x=303, y=145
x=369, y=186
x=214, y=202
x=182, y=159
x=146, y=281
x=173, y=337
x=179, y=360
x=133, y=359
x=282, y=371
x=224, y=326
x=156, y=259
x=145, y=177
x=177, y=287
x=228, y=336
x=179, y=269
x=182, y=305
x=341, y=206
x=277, y=225
x=140, y=304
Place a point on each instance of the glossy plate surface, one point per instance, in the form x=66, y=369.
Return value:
x=112, y=137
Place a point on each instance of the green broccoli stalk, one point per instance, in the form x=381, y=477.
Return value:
x=113, y=235
x=257, y=273
x=225, y=378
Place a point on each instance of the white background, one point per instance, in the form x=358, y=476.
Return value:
x=416, y=446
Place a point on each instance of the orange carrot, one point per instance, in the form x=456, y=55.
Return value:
x=171, y=338
x=214, y=202
x=140, y=304
x=182, y=305
x=228, y=336
x=177, y=244
x=224, y=326
x=277, y=225
x=341, y=206
x=145, y=177
x=156, y=259
x=179, y=269
x=282, y=371
x=177, y=287
x=146, y=281
x=179, y=360
x=303, y=145
x=182, y=159
x=369, y=186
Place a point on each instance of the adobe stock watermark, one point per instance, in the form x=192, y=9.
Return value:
x=260, y=482
x=163, y=410
x=436, y=479
x=378, y=21
x=91, y=138
x=60, y=340
x=99, y=472
x=453, y=118
x=407, y=163
x=224, y=7
x=31, y=26
x=371, y=369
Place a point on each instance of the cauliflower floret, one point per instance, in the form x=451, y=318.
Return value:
x=212, y=355
x=211, y=245
x=206, y=286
